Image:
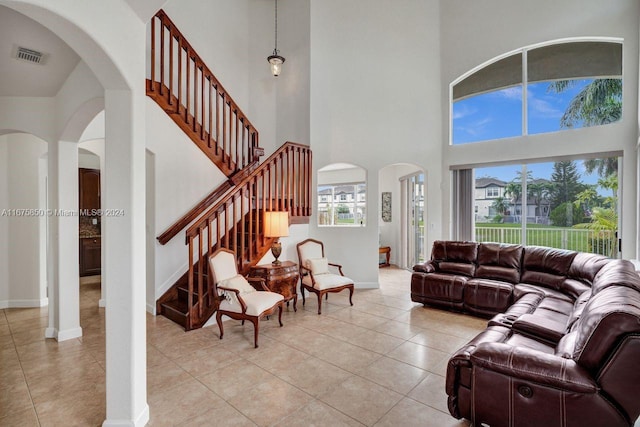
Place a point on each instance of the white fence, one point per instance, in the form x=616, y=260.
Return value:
x=598, y=242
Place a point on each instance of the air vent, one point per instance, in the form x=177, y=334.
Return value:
x=28, y=55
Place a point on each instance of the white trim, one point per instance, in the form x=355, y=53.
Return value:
x=24, y=303
x=65, y=335
x=167, y=284
x=102, y=302
x=367, y=285
x=142, y=419
x=151, y=309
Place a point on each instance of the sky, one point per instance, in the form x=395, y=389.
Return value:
x=498, y=114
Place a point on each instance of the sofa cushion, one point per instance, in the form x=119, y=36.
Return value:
x=547, y=328
x=499, y=262
x=487, y=296
x=574, y=288
x=617, y=272
x=524, y=288
x=444, y=287
x=609, y=315
x=585, y=266
x=547, y=267
x=455, y=257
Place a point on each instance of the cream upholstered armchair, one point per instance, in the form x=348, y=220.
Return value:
x=315, y=274
x=239, y=299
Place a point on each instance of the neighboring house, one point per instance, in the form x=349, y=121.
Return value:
x=488, y=189
x=343, y=204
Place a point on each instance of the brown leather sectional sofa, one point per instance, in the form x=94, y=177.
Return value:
x=563, y=346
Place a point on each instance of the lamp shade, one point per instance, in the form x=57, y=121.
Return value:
x=276, y=224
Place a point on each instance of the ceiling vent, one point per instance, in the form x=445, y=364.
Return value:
x=29, y=55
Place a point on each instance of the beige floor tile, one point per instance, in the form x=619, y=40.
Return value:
x=177, y=404
x=166, y=375
x=397, y=376
x=431, y=392
x=418, y=355
x=17, y=315
x=361, y=399
x=14, y=398
x=4, y=330
x=439, y=341
x=225, y=415
x=207, y=360
x=379, y=310
x=318, y=414
x=83, y=409
x=258, y=403
x=409, y=413
x=347, y=356
x=397, y=329
x=359, y=318
x=50, y=349
x=67, y=383
x=313, y=376
x=27, y=336
x=235, y=378
x=276, y=357
x=24, y=418
x=376, y=341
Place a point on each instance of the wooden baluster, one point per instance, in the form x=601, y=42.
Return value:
x=188, y=91
x=289, y=180
x=298, y=182
x=209, y=252
x=270, y=187
x=244, y=145
x=179, y=76
x=153, y=54
x=170, y=94
x=251, y=238
x=161, y=59
x=202, y=109
x=237, y=133
x=228, y=149
x=226, y=227
x=200, y=270
x=217, y=121
x=190, y=283
x=241, y=258
x=219, y=230
x=195, y=93
x=282, y=183
x=264, y=206
x=309, y=181
x=210, y=88
x=224, y=126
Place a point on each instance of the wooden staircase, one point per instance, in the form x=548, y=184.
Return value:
x=236, y=222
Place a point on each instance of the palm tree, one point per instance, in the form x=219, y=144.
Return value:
x=604, y=223
x=539, y=191
x=500, y=205
x=598, y=103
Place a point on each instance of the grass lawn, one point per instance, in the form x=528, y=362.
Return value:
x=546, y=235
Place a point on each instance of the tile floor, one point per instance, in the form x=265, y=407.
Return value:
x=381, y=362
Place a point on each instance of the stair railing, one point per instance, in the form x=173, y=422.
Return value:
x=187, y=89
x=235, y=222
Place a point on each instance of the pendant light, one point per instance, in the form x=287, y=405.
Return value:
x=275, y=59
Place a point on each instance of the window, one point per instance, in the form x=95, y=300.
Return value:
x=568, y=85
x=493, y=192
x=342, y=195
x=569, y=204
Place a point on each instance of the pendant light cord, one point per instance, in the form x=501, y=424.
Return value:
x=276, y=36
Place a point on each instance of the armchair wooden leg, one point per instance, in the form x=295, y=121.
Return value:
x=295, y=302
x=319, y=303
x=256, y=329
x=302, y=292
x=280, y=313
x=351, y=295
x=219, y=322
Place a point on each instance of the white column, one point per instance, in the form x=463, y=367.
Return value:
x=124, y=243
x=63, y=269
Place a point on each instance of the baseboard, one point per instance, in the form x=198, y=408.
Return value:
x=142, y=419
x=367, y=285
x=24, y=303
x=102, y=303
x=68, y=334
x=151, y=308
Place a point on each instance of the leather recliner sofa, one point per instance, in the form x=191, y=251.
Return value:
x=564, y=346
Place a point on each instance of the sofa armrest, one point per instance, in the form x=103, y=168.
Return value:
x=532, y=365
x=427, y=267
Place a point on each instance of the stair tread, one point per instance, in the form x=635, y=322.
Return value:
x=177, y=306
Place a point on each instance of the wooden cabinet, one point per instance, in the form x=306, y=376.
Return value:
x=90, y=256
x=281, y=278
x=89, y=188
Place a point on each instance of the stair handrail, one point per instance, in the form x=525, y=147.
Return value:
x=272, y=186
x=194, y=111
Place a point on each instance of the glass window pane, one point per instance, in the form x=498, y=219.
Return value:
x=491, y=115
x=567, y=104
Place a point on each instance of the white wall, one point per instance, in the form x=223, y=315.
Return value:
x=20, y=190
x=474, y=32
x=183, y=176
x=4, y=220
x=375, y=100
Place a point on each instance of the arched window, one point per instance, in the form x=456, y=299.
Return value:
x=539, y=89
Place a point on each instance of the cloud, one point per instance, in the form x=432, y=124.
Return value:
x=544, y=109
x=462, y=111
x=475, y=128
x=514, y=93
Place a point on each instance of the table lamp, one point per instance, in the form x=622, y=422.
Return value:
x=276, y=224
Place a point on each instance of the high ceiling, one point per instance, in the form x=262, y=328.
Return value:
x=21, y=78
